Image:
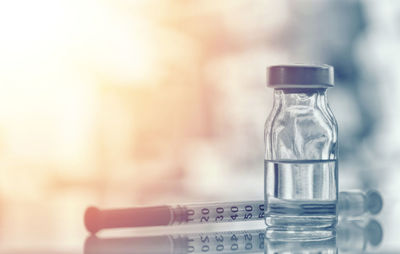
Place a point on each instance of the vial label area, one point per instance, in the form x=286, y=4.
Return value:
x=301, y=193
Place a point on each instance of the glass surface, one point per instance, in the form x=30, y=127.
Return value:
x=301, y=182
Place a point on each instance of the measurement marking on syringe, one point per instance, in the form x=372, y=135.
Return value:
x=226, y=213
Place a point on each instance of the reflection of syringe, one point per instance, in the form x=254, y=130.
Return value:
x=246, y=241
x=353, y=203
x=350, y=236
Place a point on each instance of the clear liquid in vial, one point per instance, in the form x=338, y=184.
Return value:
x=301, y=193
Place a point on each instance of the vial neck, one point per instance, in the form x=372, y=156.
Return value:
x=300, y=97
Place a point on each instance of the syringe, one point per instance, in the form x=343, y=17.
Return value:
x=350, y=203
x=96, y=219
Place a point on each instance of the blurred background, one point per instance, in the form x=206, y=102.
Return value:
x=121, y=103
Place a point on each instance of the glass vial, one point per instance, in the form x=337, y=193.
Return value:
x=301, y=171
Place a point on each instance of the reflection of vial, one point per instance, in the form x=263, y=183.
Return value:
x=301, y=149
x=284, y=245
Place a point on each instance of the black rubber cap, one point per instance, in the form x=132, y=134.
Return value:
x=300, y=76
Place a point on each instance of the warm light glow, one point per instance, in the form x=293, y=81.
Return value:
x=117, y=103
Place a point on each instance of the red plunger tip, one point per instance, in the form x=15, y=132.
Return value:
x=92, y=219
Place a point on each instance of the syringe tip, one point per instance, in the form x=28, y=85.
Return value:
x=374, y=201
x=91, y=219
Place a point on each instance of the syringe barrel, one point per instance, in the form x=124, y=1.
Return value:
x=356, y=203
x=352, y=203
x=224, y=212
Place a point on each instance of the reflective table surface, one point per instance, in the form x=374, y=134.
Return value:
x=365, y=233
x=356, y=235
